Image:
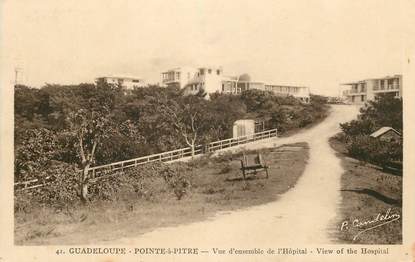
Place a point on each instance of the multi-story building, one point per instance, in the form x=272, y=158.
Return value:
x=300, y=92
x=212, y=80
x=365, y=90
x=178, y=77
x=127, y=82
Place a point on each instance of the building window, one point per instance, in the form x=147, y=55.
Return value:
x=136, y=81
x=209, y=71
x=363, y=87
x=218, y=72
x=202, y=71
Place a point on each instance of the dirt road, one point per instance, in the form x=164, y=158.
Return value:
x=303, y=215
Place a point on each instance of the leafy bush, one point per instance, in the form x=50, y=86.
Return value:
x=39, y=147
x=383, y=111
x=147, y=182
x=177, y=178
x=375, y=151
x=137, y=182
x=358, y=127
x=61, y=190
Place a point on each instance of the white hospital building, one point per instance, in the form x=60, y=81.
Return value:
x=365, y=90
x=212, y=80
x=126, y=82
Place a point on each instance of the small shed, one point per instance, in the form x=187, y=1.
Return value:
x=387, y=134
x=243, y=127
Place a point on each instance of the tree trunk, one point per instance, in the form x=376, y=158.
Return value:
x=193, y=150
x=84, y=183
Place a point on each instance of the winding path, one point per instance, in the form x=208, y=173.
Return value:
x=303, y=215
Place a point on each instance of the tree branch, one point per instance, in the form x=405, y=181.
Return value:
x=81, y=147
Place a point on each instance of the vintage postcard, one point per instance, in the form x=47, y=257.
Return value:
x=207, y=130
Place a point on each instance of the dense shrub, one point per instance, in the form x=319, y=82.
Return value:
x=61, y=191
x=383, y=111
x=375, y=151
x=118, y=148
x=178, y=178
x=38, y=148
x=133, y=183
x=146, y=182
x=358, y=127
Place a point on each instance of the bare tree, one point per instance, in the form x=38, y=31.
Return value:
x=89, y=128
x=188, y=118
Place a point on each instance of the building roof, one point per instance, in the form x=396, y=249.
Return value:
x=244, y=78
x=377, y=78
x=121, y=76
x=382, y=131
x=286, y=86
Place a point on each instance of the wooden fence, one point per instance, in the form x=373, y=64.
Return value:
x=97, y=172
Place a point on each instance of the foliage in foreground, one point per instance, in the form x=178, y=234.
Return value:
x=80, y=126
x=384, y=111
x=146, y=182
x=375, y=151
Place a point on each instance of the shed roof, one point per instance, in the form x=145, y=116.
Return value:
x=383, y=130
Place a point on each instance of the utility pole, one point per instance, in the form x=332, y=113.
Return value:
x=17, y=70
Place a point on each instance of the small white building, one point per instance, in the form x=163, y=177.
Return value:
x=127, y=82
x=387, y=134
x=243, y=127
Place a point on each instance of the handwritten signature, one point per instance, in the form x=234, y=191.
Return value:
x=379, y=220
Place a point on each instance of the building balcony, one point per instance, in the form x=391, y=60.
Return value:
x=170, y=81
x=356, y=93
x=386, y=88
x=390, y=88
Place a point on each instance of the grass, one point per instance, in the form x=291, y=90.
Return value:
x=366, y=191
x=216, y=187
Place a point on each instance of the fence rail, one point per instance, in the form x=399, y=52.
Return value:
x=97, y=172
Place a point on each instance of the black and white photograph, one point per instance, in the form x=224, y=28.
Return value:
x=207, y=130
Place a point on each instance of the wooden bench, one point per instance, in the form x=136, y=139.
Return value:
x=253, y=163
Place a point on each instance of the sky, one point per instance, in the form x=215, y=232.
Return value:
x=320, y=43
